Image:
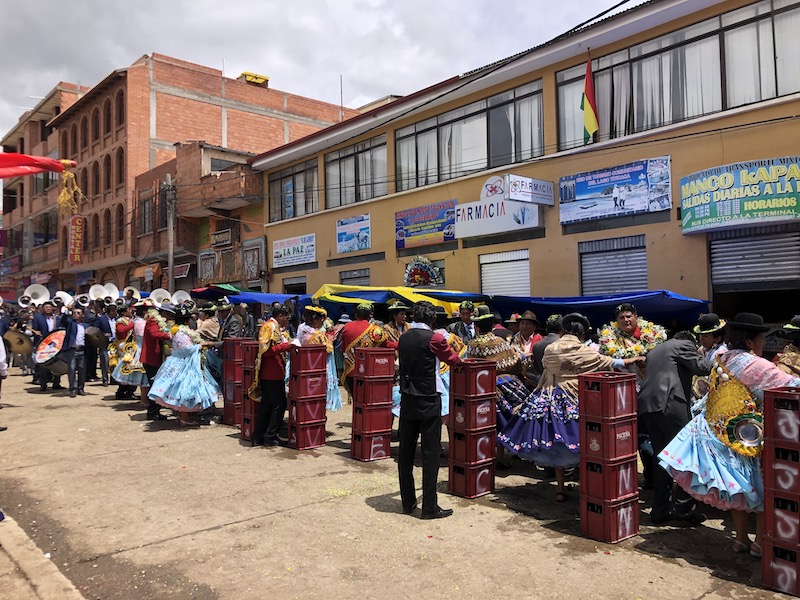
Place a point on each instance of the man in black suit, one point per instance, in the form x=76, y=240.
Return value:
x=420, y=408
x=106, y=323
x=554, y=331
x=90, y=316
x=465, y=328
x=664, y=407
x=43, y=323
x=73, y=352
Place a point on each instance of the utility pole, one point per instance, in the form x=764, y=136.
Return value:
x=170, y=200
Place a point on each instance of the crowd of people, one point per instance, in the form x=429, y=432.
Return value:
x=700, y=392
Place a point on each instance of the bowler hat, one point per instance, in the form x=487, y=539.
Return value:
x=575, y=317
x=792, y=327
x=528, y=315
x=482, y=313
x=397, y=306
x=709, y=323
x=749, y=322
x=167, y=307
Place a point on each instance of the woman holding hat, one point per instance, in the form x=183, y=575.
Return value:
x=710, y=331
x=544, y=428
x=788, y=361
x=716, y=456
x=312, y=331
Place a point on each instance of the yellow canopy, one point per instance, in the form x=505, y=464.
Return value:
x=332, y=292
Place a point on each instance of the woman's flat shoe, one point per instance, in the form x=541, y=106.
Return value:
x=755, y=550
x=740, y=547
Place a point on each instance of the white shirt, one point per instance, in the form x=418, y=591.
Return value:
x=3, y=363
x=51, y=323
x=80, y=337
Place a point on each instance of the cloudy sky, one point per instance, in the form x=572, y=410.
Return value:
x=379, y=47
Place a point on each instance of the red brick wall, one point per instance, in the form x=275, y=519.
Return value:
x=250, y=132
x=180, y=119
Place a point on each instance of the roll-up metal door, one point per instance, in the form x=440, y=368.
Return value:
x=755, y=262
x=614, y=265
x=354, y=277
x=506, y=273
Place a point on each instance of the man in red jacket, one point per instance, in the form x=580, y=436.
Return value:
x=271, y=365
x=151, y=355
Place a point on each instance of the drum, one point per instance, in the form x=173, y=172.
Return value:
x=18, y=342
x=97, y=338
x=48, y=353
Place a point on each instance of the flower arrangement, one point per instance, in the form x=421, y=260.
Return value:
x=161, y=321
x=421, y=271
x=616, y=344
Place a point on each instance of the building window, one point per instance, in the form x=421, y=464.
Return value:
x=86, y=235
x=218, y=164
x=64, y=242
x=107, y=175
x=44, y=228
x=95, y=178
x=120, y=166
x=95, y=124
x=96, y=231
x=743, y=56
x=65, y=144
x=83, y=178
x=145, y=213
x=84, y=133
x=107, y=116
x=356, y=173
x=504, y=129
x=120, y=219
x=73, y=144
x=294, y=192
x=162, y=209
x=120, y=108
x=354, y=277
x=107, y=229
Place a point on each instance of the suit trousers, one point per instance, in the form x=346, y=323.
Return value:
x=102, y=355
x=76, y=361
x=153, y=408
x=662, y=428
x=410, y=430
x=91, y=361
x=270, y=410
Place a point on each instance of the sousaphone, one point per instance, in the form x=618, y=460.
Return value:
x=62, y=299
x=35, y=295
x=136, y=295
x=112, y=293
x=159, y=296
x=98, y=292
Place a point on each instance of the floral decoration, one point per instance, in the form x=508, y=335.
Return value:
x=421, y=271
x=616, y=344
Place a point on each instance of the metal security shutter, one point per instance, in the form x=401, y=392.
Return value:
x=613, y=266
x=354, y=277
x=765, y=262
x=506, y=273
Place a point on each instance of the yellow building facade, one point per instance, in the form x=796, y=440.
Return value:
x=687, y=93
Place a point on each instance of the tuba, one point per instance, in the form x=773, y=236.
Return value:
x=62, y=299
x=159, y=296
x=180, y=297
x=82, y=300
x=135, y=292
x=112, y=293
x=35, y=295
x=97, y=292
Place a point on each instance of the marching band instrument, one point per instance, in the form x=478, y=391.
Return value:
x=180, y=297
x=48, y=353
x=120, y=302
x=19, y=343
x=112, y=293
x=62, y=299
x=82, y=300
x=97, y=292
x=35, y=295
x=96, y=337
x=159, y=296
x=135, y=292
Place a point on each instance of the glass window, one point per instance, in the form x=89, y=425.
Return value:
x=356, y=173
x=145, y=215
x=570, y=115
x=750, y=49
x=787, y=49
x=615, y=114
x=462, y=146
x=501, y=135
x=294, y=192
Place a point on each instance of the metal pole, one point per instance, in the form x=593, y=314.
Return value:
x=170, y=199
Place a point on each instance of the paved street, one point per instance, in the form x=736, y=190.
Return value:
x=129, y=509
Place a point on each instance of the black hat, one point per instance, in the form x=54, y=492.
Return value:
x=482, y=313
x=709, y=323
x=749, y=322
x=397, y=306
x=528, y=315
x=791, y=328
x=625, y=307
x=572, y=318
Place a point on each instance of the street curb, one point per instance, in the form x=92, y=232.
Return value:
x=43, y=576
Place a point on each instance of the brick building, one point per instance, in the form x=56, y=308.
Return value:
x=129, y=123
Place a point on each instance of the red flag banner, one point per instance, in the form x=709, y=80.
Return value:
x=14, y=165
x=589, y=106
x=76, y=233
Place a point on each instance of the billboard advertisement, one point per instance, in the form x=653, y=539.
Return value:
x=353, y=234
x=425, y=225
x=294, y=251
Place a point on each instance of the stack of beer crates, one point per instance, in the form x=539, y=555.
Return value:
x=780, y=458
x=308, y=385
x=247, y=418
x=372, y=404
x=473, y=421
x=232, y=380
x=608, y=465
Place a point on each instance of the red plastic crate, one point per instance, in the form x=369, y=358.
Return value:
x=232, y=391
x=307, y=410
x=372, y=418
x=308, y=385
x=368, y=447
x=471, y=480
x=376, y=390
x=609, y=480
x=782, y=414
x=473, y=378
x=303, y=436
x=248, y=423
x=249, y=406
x=249, y=354
x=232, y=413
x=609, y=522
x=248, y=375
x=609, y=440
x=780, y=566
x=607, y=395
x=781, y=466
x=782, y=516
x=374, y=362
x=232, y=371
x=232, y=348
x=469, y=414
x=470, y=447
x=303, y=359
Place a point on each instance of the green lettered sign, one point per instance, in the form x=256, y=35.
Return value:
x=741, y=195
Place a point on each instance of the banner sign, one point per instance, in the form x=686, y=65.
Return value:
x=223, y=237
x=495, y=215
x=353, y=234
x=526, y=189
x=75, y=238
x=638, y=187
x=10, y=265
x=741, y=195
x=425, y=225
x=294, y=251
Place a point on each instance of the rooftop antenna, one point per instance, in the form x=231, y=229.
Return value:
x=341, y=99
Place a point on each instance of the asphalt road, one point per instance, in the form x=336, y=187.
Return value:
x=130, y=509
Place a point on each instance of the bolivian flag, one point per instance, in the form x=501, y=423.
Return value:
x=589, y=106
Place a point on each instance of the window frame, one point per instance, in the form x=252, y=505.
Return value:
x=378, y=185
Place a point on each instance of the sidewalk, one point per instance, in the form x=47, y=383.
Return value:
x=25, y=572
